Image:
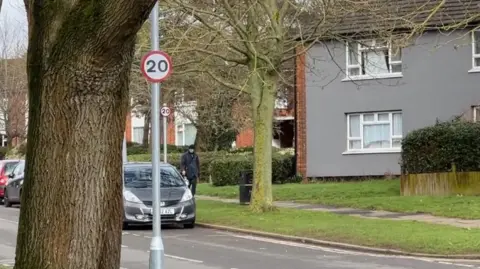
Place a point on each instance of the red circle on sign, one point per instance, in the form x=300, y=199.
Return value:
x=144, y=72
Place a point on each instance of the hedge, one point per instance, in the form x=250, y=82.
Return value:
x=223, y=168
x=436, y=148
x=135, y=148
x=226, y=171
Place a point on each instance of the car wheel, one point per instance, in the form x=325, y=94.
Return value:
x=6, y=202
x=190, y=225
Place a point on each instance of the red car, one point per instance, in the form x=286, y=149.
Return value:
x=6, y=167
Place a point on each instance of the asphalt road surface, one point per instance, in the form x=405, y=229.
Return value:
x=210, y=249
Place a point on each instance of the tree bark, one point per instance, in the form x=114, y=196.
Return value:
x=146, y=129
x=79, y=59
x=263, y=87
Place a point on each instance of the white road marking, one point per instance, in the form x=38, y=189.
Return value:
x=123, y=246
x=10, y=221
x=348, y=252
x=183, y=259
x=135, y=234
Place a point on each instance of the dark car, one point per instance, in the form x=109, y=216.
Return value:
x=13, y=190
x=6, y=167
x=177, y=202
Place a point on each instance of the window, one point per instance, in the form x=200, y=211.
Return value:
x=373, y=58
x=4, y=140
x=476, y=114
x=138, y=134
x=185, y=134
x=476, y=49
x=375, y=132
x=138, y=177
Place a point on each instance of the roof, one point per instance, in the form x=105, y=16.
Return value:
x=350, y=17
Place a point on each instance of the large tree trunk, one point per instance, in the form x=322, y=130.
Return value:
x=79, y=58
x=263, y=87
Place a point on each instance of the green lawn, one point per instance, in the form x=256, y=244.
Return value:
x=402, y=235
x=374, y=194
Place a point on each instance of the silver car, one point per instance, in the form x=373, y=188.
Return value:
x=177, y=202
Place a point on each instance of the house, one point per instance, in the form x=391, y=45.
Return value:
x=356, y=99
x=180, y=130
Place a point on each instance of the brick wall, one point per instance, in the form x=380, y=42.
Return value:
x=128, y=127
x=245, y=138
x=301, y=114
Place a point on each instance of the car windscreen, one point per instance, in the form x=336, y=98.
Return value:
x=141, y=177
x=9, y=167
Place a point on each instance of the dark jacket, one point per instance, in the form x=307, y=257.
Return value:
x=190, y=163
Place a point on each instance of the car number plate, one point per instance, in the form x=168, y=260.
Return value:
x=167, y=211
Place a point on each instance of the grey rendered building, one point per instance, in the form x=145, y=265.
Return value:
x=356, y=100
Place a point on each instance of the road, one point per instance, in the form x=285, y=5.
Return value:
x=210, y=249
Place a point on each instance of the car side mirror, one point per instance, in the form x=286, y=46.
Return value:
x=11, y=175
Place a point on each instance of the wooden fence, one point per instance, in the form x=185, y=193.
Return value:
x=448, y=183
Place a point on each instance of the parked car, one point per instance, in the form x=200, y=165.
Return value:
x=177, y=202
x=13, y=190
x=6, y=167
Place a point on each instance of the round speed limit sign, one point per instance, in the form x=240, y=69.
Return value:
x=165, y=111
x=156, y=66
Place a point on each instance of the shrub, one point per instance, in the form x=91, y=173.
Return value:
x=136, y=148
x=436, y=148
x=226, y=171
x=3, y=152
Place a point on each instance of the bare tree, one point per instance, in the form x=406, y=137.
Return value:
x=13, y=85
x=79, y=59
x=256, y=38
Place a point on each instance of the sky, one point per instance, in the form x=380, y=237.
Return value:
x=13, y=29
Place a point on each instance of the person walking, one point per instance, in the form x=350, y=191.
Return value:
x=190, y=166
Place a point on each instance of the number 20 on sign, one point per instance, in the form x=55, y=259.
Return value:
x=156, y=66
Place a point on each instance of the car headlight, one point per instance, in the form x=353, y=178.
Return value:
x=130, y=197
x=21, y=182
x=187, y=196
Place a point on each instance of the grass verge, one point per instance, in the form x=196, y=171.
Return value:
x=401, y=235
x=373, y=194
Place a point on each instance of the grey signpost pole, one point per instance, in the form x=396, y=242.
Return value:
x=165, y=118
x=156, y=246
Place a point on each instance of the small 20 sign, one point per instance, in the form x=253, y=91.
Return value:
x=156, y=66
x=165, y=111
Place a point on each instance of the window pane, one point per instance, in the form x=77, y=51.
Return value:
x=355, y=144
x=376, y=136
x=375, y=62
x=397, y=124
x=476, y=36
x=190, y=133
x=352, y=53
x=477, y=62
x=368, y=117
x=354, y=126
x=397, y=143
x=137, y=134
x=476, y=110
x=354, y=71
x=396, y=68
x=396, y=54
x=383, y=117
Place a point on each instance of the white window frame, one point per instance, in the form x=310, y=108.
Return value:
x=475, y=110
x=374, y=122
x=362, y=48
x=182, y=131
x=475, y=54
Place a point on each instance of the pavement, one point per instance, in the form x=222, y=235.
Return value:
x=365, y=213
x=212, y=249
